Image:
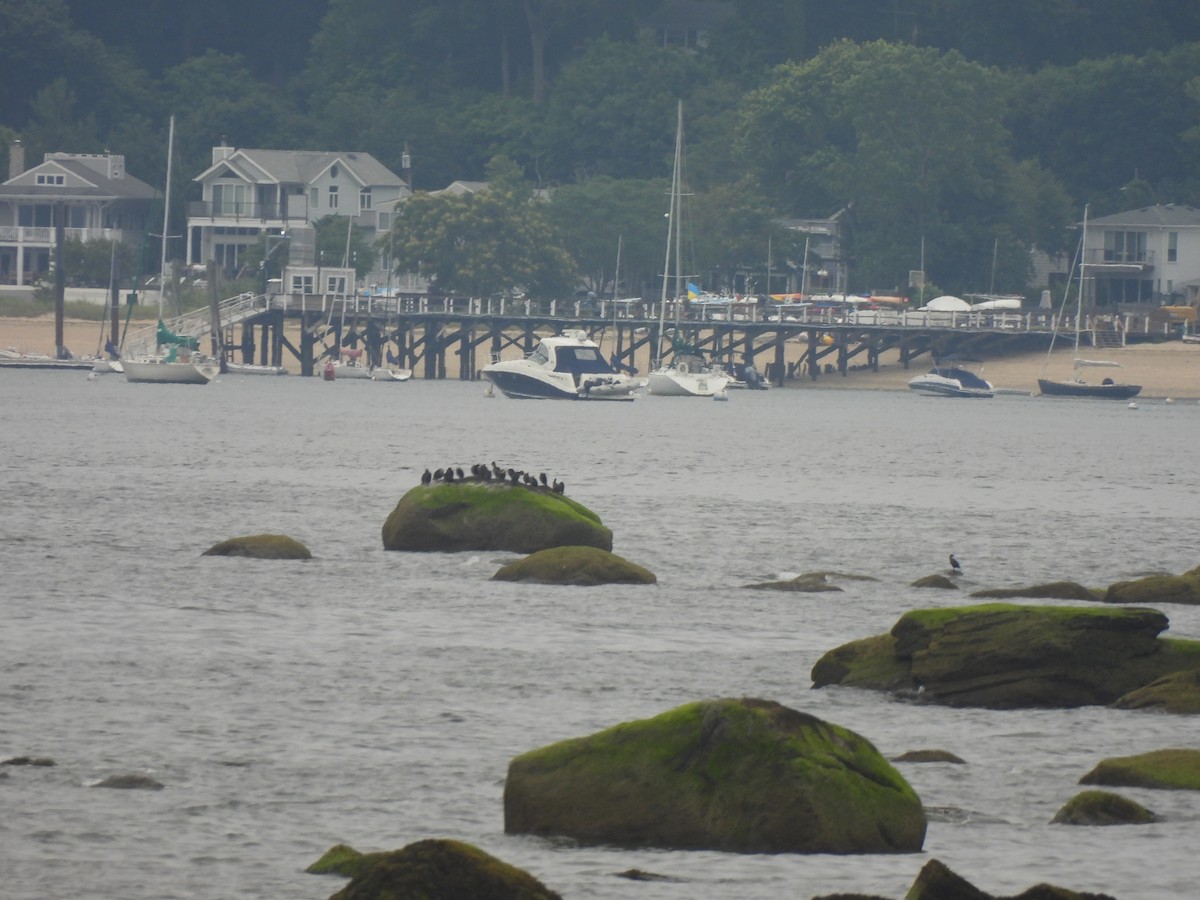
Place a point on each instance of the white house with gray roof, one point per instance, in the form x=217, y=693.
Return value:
x=1144, y=258
x=248, y=194
x=97, y=199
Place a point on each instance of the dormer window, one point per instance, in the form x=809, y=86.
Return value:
x=51, y=179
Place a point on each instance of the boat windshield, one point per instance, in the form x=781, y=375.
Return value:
x=581, y=361
x=539, y=356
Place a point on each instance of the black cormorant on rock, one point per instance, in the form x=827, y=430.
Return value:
x=558, y=487
x=426, y=477
x=955, y=568
x=542, y=479
x=437, y=475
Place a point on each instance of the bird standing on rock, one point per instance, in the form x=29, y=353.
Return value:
x=426, y=477
x=955, y=568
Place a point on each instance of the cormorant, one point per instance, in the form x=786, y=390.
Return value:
x=558, y=487
x=437, y=476
x=542, y=479
x=449, y=476
x=458, y=473
x=426, y=477
x=954, y=566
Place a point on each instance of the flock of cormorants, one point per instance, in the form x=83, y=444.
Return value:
x=482, y=472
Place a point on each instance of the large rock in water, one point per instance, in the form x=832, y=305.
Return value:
x=491, y=516
x=1010, y=657
x=587, y=566
x=1175, y=769
x=747, y=776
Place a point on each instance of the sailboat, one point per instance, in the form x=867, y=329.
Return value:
x=1077, y=387
x=687, y=375
x=181, y=362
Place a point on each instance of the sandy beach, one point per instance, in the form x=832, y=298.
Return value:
x=1169, y=369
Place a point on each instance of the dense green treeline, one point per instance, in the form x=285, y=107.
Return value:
x=980, y=128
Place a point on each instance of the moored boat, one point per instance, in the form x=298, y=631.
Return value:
x=952, y=381
x=563, y=367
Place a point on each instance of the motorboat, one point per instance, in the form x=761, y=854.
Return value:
x=952, y=381
x=379, y=373
x=563, y=367
x=745, y=376
x=687, y=376
x=1077, y=387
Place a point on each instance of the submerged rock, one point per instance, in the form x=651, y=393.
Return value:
x=940, y=582
x=1102, y=808
x=1009, y=657
x=937, y=882
x=130, y=783
x=929, y=756
x=261, y=546
x=491, y=516
x=28, y=761
x=808, y=583
x=586, y=566
x=746, y=776
x=440, y=870
x=1055, y=590
x=1157, y=589
x=1167, y=769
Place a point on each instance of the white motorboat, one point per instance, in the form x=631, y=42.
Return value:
x=563, y=367
x=687, y=376
x=952, y=381
x=233, y=368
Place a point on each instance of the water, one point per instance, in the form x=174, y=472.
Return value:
x=376, y=698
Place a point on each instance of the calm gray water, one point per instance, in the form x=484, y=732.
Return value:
x=376, y=698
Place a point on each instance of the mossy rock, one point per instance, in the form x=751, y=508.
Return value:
x=1102, y=808
x=586, y=566
x=261, y=546
x=929, y=756
x=438, y=869
x=745, y=776
x=1055, y=590
x=1010, y=657
x=1178, y=692
x=1156, y=589
x=491, y=516
x=936, y=881
x=1168, y=769
x=940, y=582
x=342, y=859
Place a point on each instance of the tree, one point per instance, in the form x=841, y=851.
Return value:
x=497, y=240
x=339, y=243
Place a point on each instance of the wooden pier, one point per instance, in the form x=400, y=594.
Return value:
x=439, y=338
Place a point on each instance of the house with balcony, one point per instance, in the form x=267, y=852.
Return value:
x=1143, y=259
x=248, y=195
x=95, y=196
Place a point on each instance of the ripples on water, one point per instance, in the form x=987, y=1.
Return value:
x=376, y=698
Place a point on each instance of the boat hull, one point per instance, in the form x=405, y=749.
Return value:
x=539, y=386
x=1080, y=389
x=158, y=372
x=674, y=383
x=251, y=369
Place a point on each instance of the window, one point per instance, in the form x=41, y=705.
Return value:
x=333, y=196
x=302, y=284
x=313, y=198
x=1172, y=246
x=364, y=199
x=335, y=284
x=1124, y=246
x=51, y=179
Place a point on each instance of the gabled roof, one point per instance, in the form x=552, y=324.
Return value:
x=1170, y=215
x=302, y=167
x=89, y=181
x=458, y=188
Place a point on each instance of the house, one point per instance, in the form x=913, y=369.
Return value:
x=826, y=265
x=248, y=195
x=1143, y=258
x=97, y=199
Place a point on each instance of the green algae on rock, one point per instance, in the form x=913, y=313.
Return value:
x=1157, y=589
x=1168, y=769
x=1102, y=808
x=746, y=776
x=941, y=582
x=439, y=869
x=261, y=546
x=1005, y=656
x=490, y=516
x=587, y=566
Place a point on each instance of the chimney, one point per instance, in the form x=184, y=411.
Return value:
x=222, y=151
x=16, y=158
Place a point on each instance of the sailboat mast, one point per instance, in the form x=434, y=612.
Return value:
x=162, y=263
x=1082, y=266
x=672, y=229
x=678, y=192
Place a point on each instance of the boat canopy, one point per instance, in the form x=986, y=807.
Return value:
x=947, y=303
x=166, y=338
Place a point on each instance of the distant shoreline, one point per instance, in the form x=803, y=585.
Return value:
x=1170, y=369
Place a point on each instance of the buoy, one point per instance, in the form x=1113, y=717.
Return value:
x=721, y=395
x=1168, y=400
x=1133, y=406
